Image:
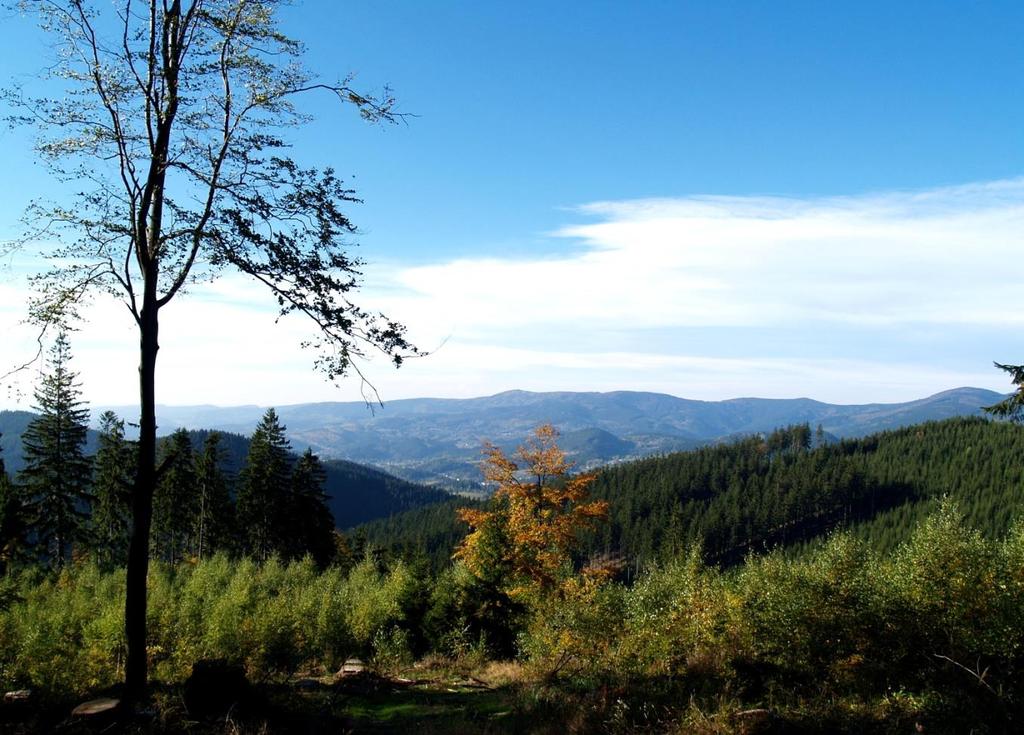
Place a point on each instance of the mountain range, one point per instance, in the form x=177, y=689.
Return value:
x=438, y=441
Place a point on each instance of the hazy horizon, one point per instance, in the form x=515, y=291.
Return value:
x=125, y=409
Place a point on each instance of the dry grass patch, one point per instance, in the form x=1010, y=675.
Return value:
x=503, y=673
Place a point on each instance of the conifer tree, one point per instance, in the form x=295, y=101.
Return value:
x=11, y=522
x=113, y=470
x=1011, y=407
x=265, y=484
x=176, y=502
x=57, y=473
x=215, y=518
x=311, y=525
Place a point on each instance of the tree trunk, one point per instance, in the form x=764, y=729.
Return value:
x=136, y=664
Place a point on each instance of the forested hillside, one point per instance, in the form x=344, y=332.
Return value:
x=356, y=494
x=781, y=490
x=13, y=425
x=927, y=637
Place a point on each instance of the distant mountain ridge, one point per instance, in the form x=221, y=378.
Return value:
x=438, y=440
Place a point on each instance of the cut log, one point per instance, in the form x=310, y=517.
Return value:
x=96, y=707
x=351, y=667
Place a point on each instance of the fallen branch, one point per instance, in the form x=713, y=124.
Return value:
x=977, y=672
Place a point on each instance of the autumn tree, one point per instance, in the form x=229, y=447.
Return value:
x=172, y=127
x=537, y=515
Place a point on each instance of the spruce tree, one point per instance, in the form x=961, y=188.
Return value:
x=266, y=480
x=310, y=522
x=113, y=470
x=57, y=474
x=176, y=502
x=1011, y=407
x=11, y=522
x=215, y=518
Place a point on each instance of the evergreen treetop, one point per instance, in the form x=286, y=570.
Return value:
x=113, y=466
x=264, y=486
x=57, y=474
x=176, y=502
x=215, y=520
x=310, y=523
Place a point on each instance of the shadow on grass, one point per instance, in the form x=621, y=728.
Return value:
x=373, y=704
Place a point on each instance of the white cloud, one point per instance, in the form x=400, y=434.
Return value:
x=941, y=259
x=943, y=256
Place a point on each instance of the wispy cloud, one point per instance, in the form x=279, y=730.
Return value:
x=942, y=256
x=944, y=260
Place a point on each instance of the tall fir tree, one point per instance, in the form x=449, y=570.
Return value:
x=56, y=477
x=309, y=520
x=176, y=502
x=113, y=470
x=264, y=487
x=12, y=527
x=215, y=518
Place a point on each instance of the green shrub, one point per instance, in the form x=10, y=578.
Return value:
x=817, y=618
x=467, y=614
x=376, y=600
x=680, y=617
x=64, y=636
x=948, y=577
x=573, y=632
x=325, y=611
x=391, y=650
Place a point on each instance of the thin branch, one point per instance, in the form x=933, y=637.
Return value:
x=978, y=674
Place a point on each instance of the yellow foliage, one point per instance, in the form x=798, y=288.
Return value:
x=538, y=510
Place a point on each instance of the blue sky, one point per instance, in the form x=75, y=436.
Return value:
x=710, y=199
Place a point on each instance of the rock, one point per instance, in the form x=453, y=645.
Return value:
x=214, y=687
x=18, y=695
x=96, y=707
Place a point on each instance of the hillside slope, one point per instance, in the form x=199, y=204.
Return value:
x=744, y=497
x=357, y=493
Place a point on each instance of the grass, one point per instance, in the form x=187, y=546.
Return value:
x=447, y=701
x=443, y=698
